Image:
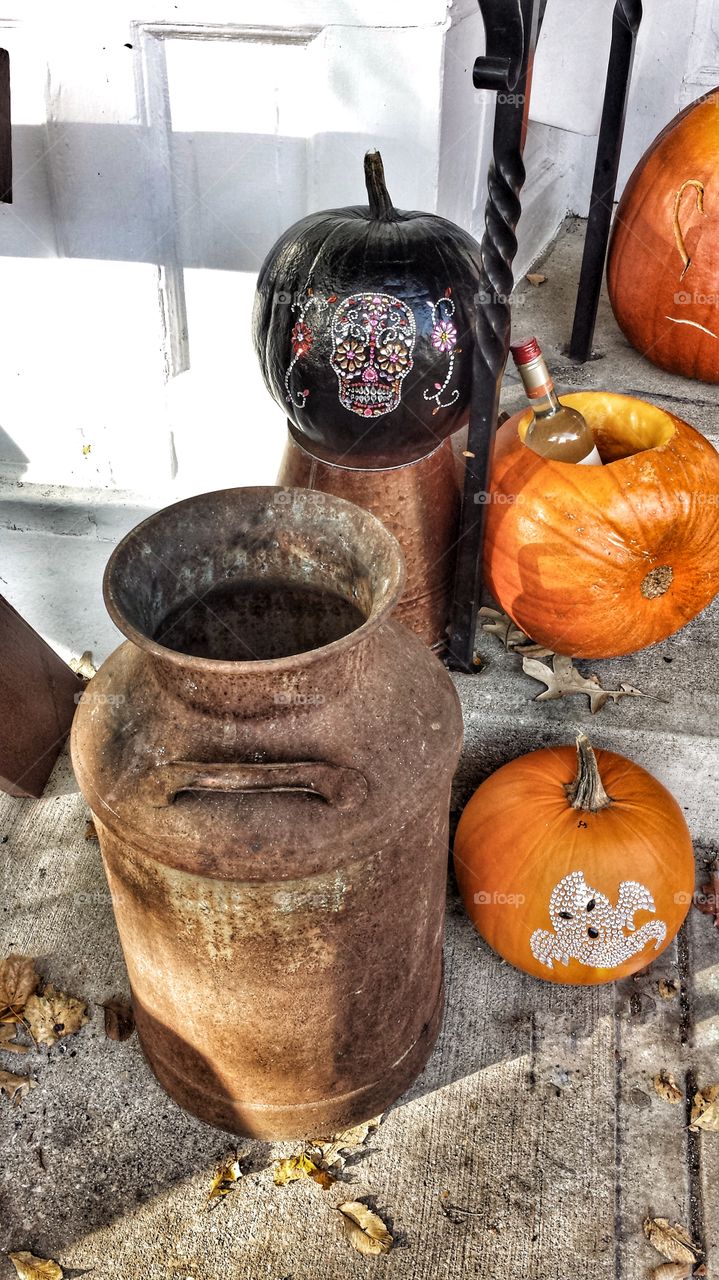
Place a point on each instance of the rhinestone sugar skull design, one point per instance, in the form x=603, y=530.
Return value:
x=589, y=929
x=373, y=336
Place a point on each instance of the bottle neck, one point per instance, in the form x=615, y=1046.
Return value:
x=539, y=387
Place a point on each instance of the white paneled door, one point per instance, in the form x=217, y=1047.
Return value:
x=158, y=154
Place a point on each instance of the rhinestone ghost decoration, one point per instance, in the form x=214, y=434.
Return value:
x=373, y=336
x=589, y=929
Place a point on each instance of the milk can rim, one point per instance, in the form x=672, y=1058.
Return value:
x=392, y=591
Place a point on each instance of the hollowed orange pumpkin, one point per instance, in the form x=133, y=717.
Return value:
x=663, y=265
x=595, y=562
x=574, y=867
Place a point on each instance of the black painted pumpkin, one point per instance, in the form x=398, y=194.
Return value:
x=364, y=328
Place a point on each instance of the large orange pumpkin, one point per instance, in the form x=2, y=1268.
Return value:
x=599, y=561
x=574, y=867
x=663, y=266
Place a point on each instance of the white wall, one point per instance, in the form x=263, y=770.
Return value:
x=150, y=180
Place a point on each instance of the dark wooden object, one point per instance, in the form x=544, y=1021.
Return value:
x=38, y=693
x=37, y=690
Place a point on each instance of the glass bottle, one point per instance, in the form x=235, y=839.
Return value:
x=556, y=431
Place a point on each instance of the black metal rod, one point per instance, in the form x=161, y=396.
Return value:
x=5, y=135
x=625, y=25
x=511, y=31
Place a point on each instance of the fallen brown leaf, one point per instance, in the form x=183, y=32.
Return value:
x=501, y=625
x=15, y=1086
x=225, y=1179
x=29, y=1267
x=53, y=1014
x=668, y=988
x=8, y=1043
x=331, y=1148
x=18, y=980
x=91, y=830
x=671, y=1271
x=673, y=1242
x=293, y=1168
x=365, y=1231
x=536, y=278
x=119, y=1019
x=705, y=1109
x=84, y=665
x=667, y=1087
x=563, y=680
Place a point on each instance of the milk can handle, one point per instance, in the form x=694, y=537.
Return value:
x=342, y=788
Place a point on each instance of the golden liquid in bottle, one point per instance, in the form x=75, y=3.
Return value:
x=564, y=436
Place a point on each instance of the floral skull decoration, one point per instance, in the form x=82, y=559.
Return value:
x=373, y=337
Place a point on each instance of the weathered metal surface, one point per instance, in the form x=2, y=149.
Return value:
x=274, y=829
x=419, y=503
x=37, y=702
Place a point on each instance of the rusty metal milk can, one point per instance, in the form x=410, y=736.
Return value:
x=268, y=760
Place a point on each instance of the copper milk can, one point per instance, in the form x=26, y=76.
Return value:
x=419, y=503
x=268, y=760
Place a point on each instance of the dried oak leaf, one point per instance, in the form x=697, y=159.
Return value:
x=8, y=1043
x=673, y=1242
x=564, y=680
x=536, y=278
x=671, y=1271
x=15, y=1086
x=330, y=1149
x=294, y=1168
x=18, y=981
x=225, y=1179
x=53, y=1014
x=29, y=1267
x=531, y=650
x=667, y=1087
x=705, y=1109
x=119, y=1019
x=501, y=625
x=84, y=665
x=668, y=988
x=365, y=1231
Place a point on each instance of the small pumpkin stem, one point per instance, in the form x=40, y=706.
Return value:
x=587, y=790
x=380, y=205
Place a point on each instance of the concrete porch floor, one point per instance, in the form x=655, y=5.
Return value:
x=536, y=1117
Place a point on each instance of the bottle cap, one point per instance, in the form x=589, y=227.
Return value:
x=523, y=352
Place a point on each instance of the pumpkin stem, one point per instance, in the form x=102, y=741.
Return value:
x=587, y=791
x=380, y=206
